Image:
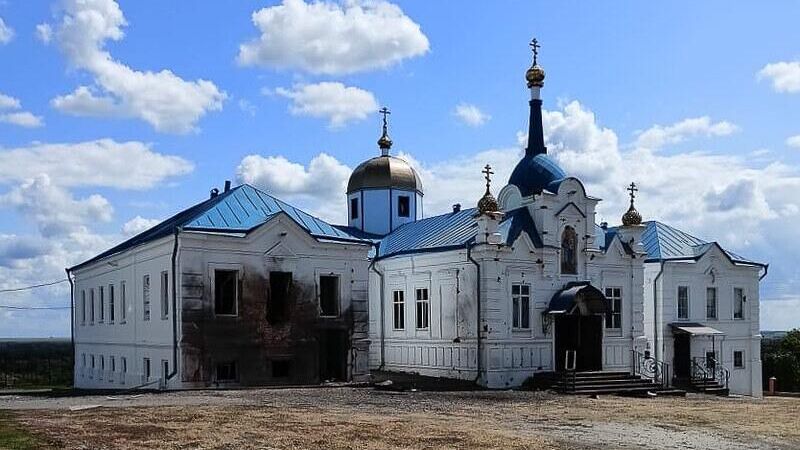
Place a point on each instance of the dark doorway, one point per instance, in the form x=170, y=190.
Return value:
x=280, y=284
x=680, y=360
x=584, y=335
x=333, y=355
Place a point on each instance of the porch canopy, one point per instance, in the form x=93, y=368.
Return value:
x=694, y=329
x=578, y=298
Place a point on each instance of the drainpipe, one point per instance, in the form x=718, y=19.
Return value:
x=477, y=309
x=72, y=321
x=766, y=270
x=383, y=329
x=656, y=309
x=175, y=246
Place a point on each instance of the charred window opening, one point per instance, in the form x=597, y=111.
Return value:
x=354, y=208
x=226, y=371
x=281, y=368
x=403, y=206
x=280, y=284
x=329, y=295
x=226, y=287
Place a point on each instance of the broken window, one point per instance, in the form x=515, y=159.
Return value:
x=146, y=297
x=354, y=208
x=226, y=292
x=281, y=368
x=399, y=309
x=423, y=309
x=280, y=284
x=403, y=206
x=164, y=294
x=329, y=295
x=226, y=371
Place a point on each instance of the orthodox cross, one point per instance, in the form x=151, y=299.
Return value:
x=632, y=189
x=535, y=46
x=385, y=111
x=488, y=172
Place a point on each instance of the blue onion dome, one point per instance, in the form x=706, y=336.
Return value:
x=535, y=173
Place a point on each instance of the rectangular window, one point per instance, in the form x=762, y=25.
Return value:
x=423, y=309
x=102, y=304
x=123, y=362
x=329, y=295
x=83, y=364
x=164, y=294
x=164, y=369
x=738, y=359
x=145, y=369
x=91, y=306
x=111, y=305
x=226, y=287
x=738, y=303
x=403, y=206
x=83, y=307
x=102, y=366
x=711, y=303
x=399, y=310
x=112, y=368
x=146, y=297
x=91, y=374
x=354, y=208
x=683, y=302
x=227, y=371
x=521, y=306
x=280, y=285
x=614, y=316
x=123, y=307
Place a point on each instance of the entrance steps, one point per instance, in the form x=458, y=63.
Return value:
x=712, y=387
x=609, y=382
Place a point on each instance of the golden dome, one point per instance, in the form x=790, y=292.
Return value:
x=384, y=143
x=487, y=204
x=631, y=217
x=535, y=76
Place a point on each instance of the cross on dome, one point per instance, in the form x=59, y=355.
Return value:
x=384, y=143
x=535, y=47
x=487, y=171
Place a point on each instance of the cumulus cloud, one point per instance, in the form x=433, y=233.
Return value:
x=15, y=250
x=470, y=115
x=9, y=102
x=9, y=114
x=785, y=76
x=137, y=225
x=6, y=32
x=658, y=136
x=162, y=99
x=793, y=141
x=44, y=32
x=337, y=103
x=325, y=37
x=104, y=162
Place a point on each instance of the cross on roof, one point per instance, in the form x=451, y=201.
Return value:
x=632, y=189
x=385, y=111
x=488, y=175
x=535, y=47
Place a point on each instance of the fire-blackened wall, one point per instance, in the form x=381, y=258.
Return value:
x=300, y=347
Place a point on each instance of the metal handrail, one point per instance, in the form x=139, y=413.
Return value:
x=644, y=365
x=707, y=369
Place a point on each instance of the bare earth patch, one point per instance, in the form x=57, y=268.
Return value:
x=361, y=418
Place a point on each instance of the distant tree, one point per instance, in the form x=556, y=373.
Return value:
x=781, y=359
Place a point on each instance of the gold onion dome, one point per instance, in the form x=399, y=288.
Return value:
x=487, y=203
x=632, y=216
x=384, y=143
x=535, y=76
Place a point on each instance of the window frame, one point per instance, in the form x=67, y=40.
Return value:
x=237, y=277
x=83, y=306
x=354, y=212
x=123, y=302
x=520, y=304
x=615, y=308
x=337, y=292
x=422, y=321
x=740, y=302
x=102, y=304
x=715, y=316
x=146, y=369
x=164, y=297
x=123, y=363
x=91, y=306
x=564, y=270
x=111, y=303
x=742, y=364
x=678, y=303
x=398, y=310
x=146, y=289
x=403, y=200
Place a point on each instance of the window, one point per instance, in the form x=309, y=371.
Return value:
x=280, y=287
x=146, y=297
x=403, y=206
x=354, y=208
x=399, y=310
x=521, y=305
x=423, y=309
x=123, y=309
x=711, y=303
x=738, y=303
x=112, y=363
x=683, y=302
x=329, y=295
x=91, y=306
x=614, y=316
x=738, y=359
x=111, y=305
x=145, y=369
x=164, y=370
x=102, y=366
x=91, y=374
x=226, y=291
x=102, y=304
x=83, y=363
x=164, y=294
x=83, y=307
x=281, y=368
x=569, y=251
x=227, y=371
x=123, y=362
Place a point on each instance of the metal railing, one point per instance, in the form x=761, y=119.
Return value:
x=709, y=369
x=645, y=366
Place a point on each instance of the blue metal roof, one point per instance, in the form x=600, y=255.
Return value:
x=663, y=242
x=453, y=230
x=535, y=173
x=238, y=210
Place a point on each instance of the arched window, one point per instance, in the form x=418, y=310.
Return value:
x=569, y=251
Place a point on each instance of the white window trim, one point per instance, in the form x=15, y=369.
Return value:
x=164, y=294
x=212, y=268
x=393, y=303
x=611, y=331
x=688, y=302
x=716, y=303
x=428, y=301
x=733, y=359
x=319, y=294
x=530, y=308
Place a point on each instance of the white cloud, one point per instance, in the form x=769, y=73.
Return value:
x=337, y=103
x=6, y=33
x=44, y=32
x=793, y=141
x=325, y=37
x=8, y=102
x=247, y=107
x=471, y=115
x=22, y=119
x=785, y=76
x=658, y=136
x=137, y=225
x=105, y=162
x=162, y=99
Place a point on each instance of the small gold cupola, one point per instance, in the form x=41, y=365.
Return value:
x=632, y=216
x=487, y=203
x=535, y=74
x=384, y=143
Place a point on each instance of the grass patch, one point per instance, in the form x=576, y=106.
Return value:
x=14, y=436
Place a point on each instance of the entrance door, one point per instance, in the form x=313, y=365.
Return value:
x=333, y=355
x=680, y=360
x=584, y=335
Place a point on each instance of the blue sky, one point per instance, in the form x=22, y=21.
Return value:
x=695, y=101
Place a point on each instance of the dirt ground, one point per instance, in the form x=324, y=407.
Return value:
x=363, y=418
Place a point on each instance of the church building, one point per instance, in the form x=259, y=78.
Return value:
x=245, y=289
